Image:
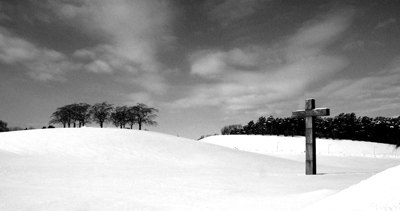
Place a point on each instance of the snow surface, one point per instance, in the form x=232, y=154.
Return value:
x=114, y=169
x=296, y=145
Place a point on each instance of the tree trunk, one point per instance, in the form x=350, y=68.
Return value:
x=140, y=126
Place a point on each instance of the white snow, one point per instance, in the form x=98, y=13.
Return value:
x=296, y=145
x=380, y=192
x=114, y=169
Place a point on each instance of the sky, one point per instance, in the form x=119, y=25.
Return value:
x=203, y=64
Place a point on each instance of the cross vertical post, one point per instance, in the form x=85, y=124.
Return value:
x=310, y=113
x=311, y=158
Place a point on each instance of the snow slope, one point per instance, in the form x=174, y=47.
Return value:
x=380, y=192
x=296, y=145
x=114, y=169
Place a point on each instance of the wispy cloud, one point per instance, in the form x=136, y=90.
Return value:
x=131, y=33
x=386, y=23
x=128, y=35
x=318, y=33
x=210, y=63
x=98, y=66
x=42, y=64
x=229, y=11
x=252, y=78
x=3, y=15
x=356, y=44
x=371, y=94
x=132, y=29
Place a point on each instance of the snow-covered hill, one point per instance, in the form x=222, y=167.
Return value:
x=296, y=145
x=380, y=192
x=114, y=169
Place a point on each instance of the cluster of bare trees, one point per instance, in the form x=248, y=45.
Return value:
x=71, y=114
x=140, y=114
x=342, y=126
x=80, y=114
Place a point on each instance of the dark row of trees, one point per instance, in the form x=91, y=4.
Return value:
x=342, y=126
x=3, y=126
x=80, y=114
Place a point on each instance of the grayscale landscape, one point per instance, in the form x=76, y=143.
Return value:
x=199, y=105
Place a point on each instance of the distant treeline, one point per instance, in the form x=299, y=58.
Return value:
x=3, y=126
x=342, y=126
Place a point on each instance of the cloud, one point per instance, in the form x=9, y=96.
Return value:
x=15, y=49
x=386, y=23
x=3, y=15
x=229, y=11
x=208, y=63
x=42, y=64
x=249, y=90
x=132, y=34
x=370, y=95
x=319, y=33
x=98, y=66
x=216, y=63
x=85, y=54
x=140, y=97
x=250, y=78
x=134, y=30
x=354, y=45
x=127, y=35
x=124, y=38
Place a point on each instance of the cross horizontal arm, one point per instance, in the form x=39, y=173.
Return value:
x=311, y=113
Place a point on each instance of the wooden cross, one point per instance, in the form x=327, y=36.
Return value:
x=310, y=114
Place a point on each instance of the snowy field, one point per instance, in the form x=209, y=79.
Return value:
x=114, y=169
x=296, y=145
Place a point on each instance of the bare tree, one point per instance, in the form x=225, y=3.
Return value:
x=70, y=114
x=131, y=116
x=101, y=112
x=60, y=116
x=114, y=118
x=82, y=113
x=121, y=114
x=144, y=115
